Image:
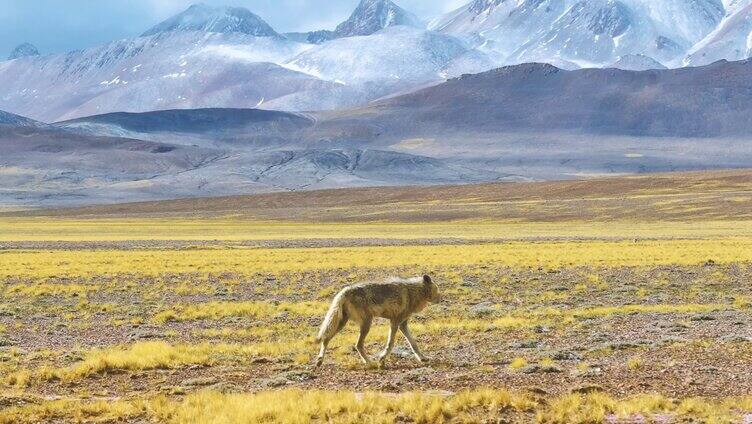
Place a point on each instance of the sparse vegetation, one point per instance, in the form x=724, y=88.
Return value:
x=213, y=319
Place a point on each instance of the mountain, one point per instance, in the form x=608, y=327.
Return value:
x=589, y=33
x=239, y=128
x=705, y=102
x=541, y=122
x=200, y=17
x=369, y=17
x=729, y=41
x=23, y=50
x=394, y=59
x=530, y=121
x=637, y=62
x=179, y=69
x=372, y=16
x=16, y=120
x=208, y=57
x=43, y=166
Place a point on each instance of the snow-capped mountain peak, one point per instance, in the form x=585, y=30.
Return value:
x=374, y=15
x=200, y=17
x=586, y=32
x=23, y=50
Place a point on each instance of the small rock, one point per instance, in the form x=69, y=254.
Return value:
x=467, y=283
x=482, y=310
x=200, y=381
x=144, y=335
x=702, y=318
x=298, y=376
x=537, y=391
x=540, y=369
x=590, y=372
x=390, y=387
x=274, y=382
x=566, y=355
x=587, y=389
x=734, y=339
x=541, y=329
x=527, y=344
x=416, y=375
x=559, y=288
x=224, y=388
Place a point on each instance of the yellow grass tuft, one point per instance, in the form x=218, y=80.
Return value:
x=154, y=355
x=518, y=363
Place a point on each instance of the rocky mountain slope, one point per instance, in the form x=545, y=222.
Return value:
x=372, y=16
x=369, y=17
x=188, y=153
x=729, y=41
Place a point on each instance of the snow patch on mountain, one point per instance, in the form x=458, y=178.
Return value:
x=395, y=56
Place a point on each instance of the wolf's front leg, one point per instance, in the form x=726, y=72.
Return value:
x=414, y=346
x=322, y=352
x=365, y=327
x=390, y=342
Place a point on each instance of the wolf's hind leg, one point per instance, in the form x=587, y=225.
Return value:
x=414, y=346
x=390, y=342
x=365, y=327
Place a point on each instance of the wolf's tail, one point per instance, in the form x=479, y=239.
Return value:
x=333, y=318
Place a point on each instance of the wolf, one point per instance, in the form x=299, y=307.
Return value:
x=396, y=300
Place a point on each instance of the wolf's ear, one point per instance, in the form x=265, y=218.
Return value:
x=426, y=279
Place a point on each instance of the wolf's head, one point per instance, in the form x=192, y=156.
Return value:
x=433, y=290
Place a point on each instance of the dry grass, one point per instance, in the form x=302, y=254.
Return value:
x=551, y=254
x=548, y=286
x=297, y=406
x=721, y=195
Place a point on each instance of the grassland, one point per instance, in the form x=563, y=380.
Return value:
x=609, y=300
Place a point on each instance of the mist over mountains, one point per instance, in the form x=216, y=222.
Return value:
x=215, y=101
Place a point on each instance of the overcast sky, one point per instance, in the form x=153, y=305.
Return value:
x=62, y=25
